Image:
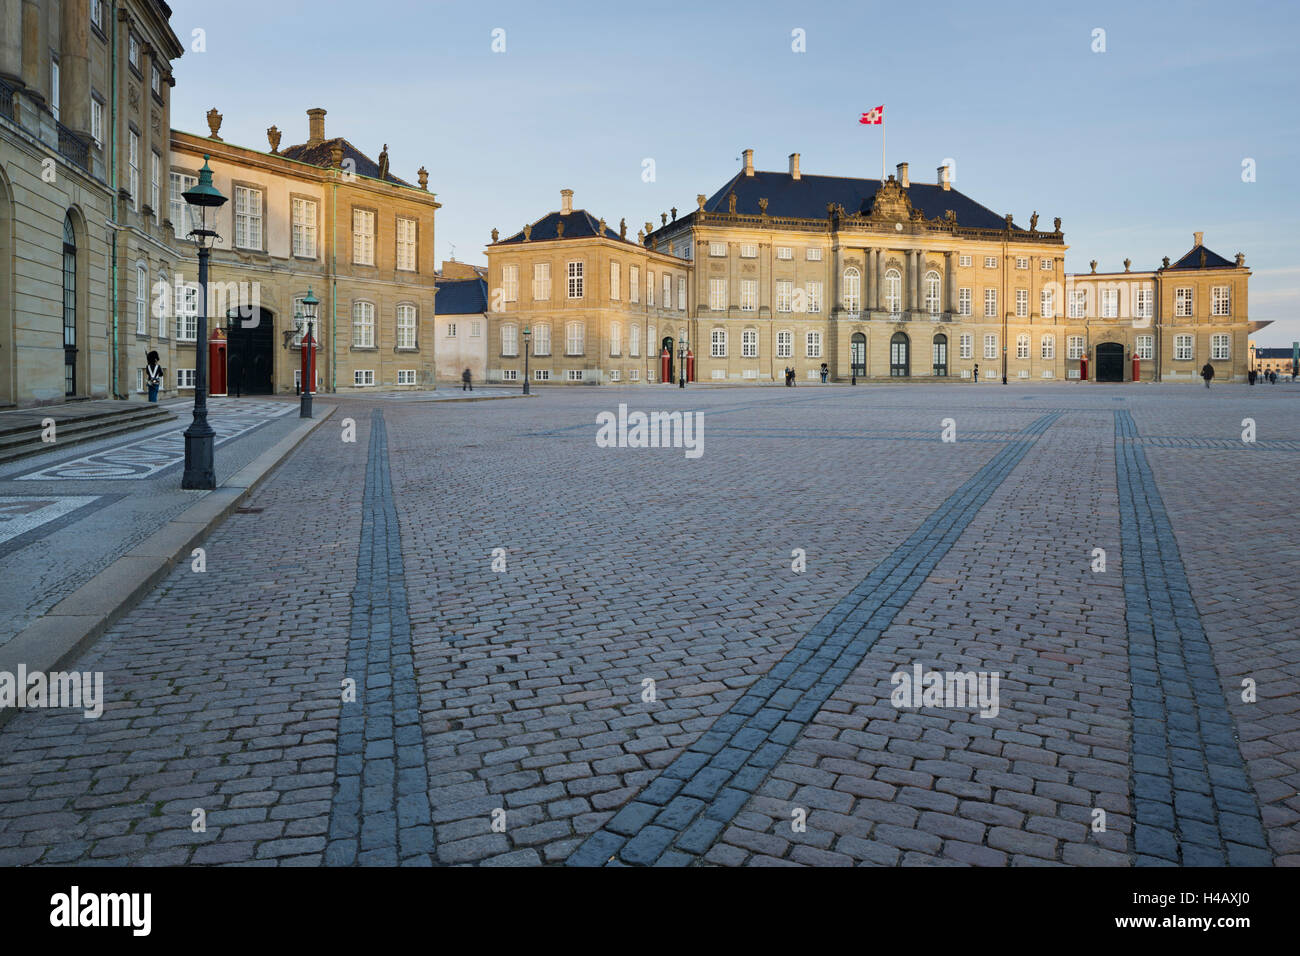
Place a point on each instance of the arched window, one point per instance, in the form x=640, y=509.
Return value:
x=69, y=307
x=899, y=357
x=940, y=347
x=932, y=293
x=615, y=338
x=893, y=292
x=852, y=297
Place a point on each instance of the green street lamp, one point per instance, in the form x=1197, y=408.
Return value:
x=308, y=375
x=527, y=332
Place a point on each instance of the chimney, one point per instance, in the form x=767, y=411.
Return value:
x=902, y=175
x=943, y=178
x=749, y=162
x=1199, y=240
x=566, y=201
x=315, y=126
x=794, y=165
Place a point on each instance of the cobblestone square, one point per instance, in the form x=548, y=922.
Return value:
x=474, y=636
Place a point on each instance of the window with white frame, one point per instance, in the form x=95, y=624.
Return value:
x=97, y=13
x=681, y=293
x=1022, y=345
x=615, y=339
x=155, y=80
x=1022, y=303
x=185, y=378
x=510, y=282
x=510, y=339
x=542, y=374
x=990, y=262
x=1144, y=300
x=1074, y=346
x=634, y=283
x=406, y=231
x=575, y=334
x=718, y=293
x=363, y=376
x=1078, y=304
x=748, y=250
x=749, y=343
x=1219, y=347
x=615, y=281
x=187, y=311
x=363, y=237
x=893, y=291
x=813, y=344
x=1183, y=302
x=813, y=254
x=155, y=185
x=814, y=295
x=304, y=228
x=966, y=344
x=1146, y=347
x=634, y=375
x=406, y=376
x=990, y=303
x=667, y=302
x=784, y=293
x=542, y=339
x=963, y=261
x=615, y=375
x=932, y=293
x=650, y=289
x=248, y=217
x=1221, y=300
x=652, y=346
x=575, y=280
x=963, y=301
x=1110, y=303
x=141, y=300
x=1045, y=265
x=182, y=213
x=1022, y=262
x=574, y=375
x=406, y=326
x=54, y=87
x=717, y=249
x=510, y=375
x=1182, y=347
x=718, y=343
x=162, y=293
x=784, y=344
x=541, y=281
x=634, y=341
x=451, y=330
x=1047, y=303
x=133, y=50
x=133, y=167
x=1048, y=350
x=97, y=120
x=851, y=297
x=990, y=345
x=363, y=325
x=784, y=252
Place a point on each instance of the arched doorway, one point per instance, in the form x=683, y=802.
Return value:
x=900, y=357
x=250, y=334
x=1110, y=362
x=8, y=360
x=69, y=306
x=941, y=355
x=667, y=343
x=858, y=354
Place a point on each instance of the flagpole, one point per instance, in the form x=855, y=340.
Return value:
x=882, y=148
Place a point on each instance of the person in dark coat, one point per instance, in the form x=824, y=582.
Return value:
x=153, y=374
x=1207, y=373
x=466, y=383
x=1251, y=376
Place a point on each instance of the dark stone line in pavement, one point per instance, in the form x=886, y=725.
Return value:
x=1192, y=802
x=380, y=813
x=679, y=814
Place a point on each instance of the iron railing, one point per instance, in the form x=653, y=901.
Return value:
x=73, y=148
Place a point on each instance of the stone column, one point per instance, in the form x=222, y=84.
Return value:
x=918, y=301
x=879, y=302
x=949, y=283
x=11, y=41
x=74, y=67
x=36, y=45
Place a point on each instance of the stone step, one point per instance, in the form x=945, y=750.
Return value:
x=20, y=432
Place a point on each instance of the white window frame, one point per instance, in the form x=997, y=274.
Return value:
x=363, y=377
x=990, y=302
x=184, y=378
x=851, y=294
x=133, y=165
x=717, y=249
x=304, y=227
x=363, y=237
x=1022, y=262
x=615, y=339
x=784, y=252
x=718, y=294
x=575, y=338
x=1022, y=303
x=718, y=343
x=784, y=295
x=990, y=262
x=1221, y=300
x=187, y=310
x=966, y=345
x=141, y=300
x=634, y=340
x=964, y=301
x=1047, y=303
x=406, y=376
x=407, y=321
x=681, y=293
x=1220, y=347
x=510, y=340
x=541, y=340
x=964, y=261
x=155, y=185
x=1109, y=303
x=363, y=324
x=1184, y=302
x=1074, y=346
x=1145, y=348
x=634, y=284
x=990, y=345
x=1077, y=307
x=615, y=280
x=510, y=282
x=541, y=281
x=932, y=287
x=1045, y=265
x=749, y=250
x=407, y=242
x=1047, y=346
x=812, y=344
x=249, y=206
x=749, y=343
x=1022, y=345
x=784, y=344
x=813, y=293
x=574, y=271
x=813, y=254
x=1184, y=348
x=893, y=292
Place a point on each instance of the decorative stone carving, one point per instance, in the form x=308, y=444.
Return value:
x=700, y=200
x=1165, y=264
x=1033, y=221
x=155, y=121
x=1093, y=263
x=649, y=227
x=890, y=202
x=528, y=232
x=640, y=237
x=663, y=218
x=1009, y=219
x=423, y=175
x=601, y=227
x=622, y=228
x=273, y=137
x=336, y=156
x=214, y=119
x=674, y=212
x=731, y=203
x=1056, y=224
x=762, y=205
x=383, y=162
x=559, y=229
x=1241, y=260
x=496, y=235
x=1127, y=263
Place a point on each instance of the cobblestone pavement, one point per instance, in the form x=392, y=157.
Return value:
x=616, y=660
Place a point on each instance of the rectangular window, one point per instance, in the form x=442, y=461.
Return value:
x=813, y=344
x=634, y=283
x=406, y=326
x=634, y=341
x=1142, y=308
x=1047, y=304
x=542, y=340
x=1074, y=346
x=406, y=376
x=187, y=312
x=1048, y=349
x=133, y=163
x=406, y=230
x=141, y=301
x=185, y=378
x=97, y=13
x=541, y=374
x=749, y=343
x=990, y=262
x=963, y=261
x=304, y=228
x=182, y=214
x=814, y=290
x=97, y=121
x=541, y=281
x=575, y=280
x=681, y=293
x=510, y=375
x=1219, y=347
x=963, y=302
x=990, y=303
x=1078, y=307
x=575, y=375
x=1221, y=300
x=1045, y=265
x=813, y=254
x=451, y=330
x=1146, y=347
x=1022, y=262
x=54, y=87
x=650, y=289
x=510, y=283
x=363, y=377
x=574, y=338
x=510, y=340
x=990, y=346
x=1183, y=347
x=718, y=343
x=363, y=325
x=1022, y=303
x=717, y=249
x=248, y=217
x=476, y=330
x=615, y=375
x=133, y=51
x=155, y=186
x=615, y=280
x=784, y=344
x=615, y=339
x=1110, y=303
x=718, y=294
x=1183, y=302
x=635, y=375
x=784, y=252
x=668, y=292
x=748, y=250
x=1022, y=346
x=967, y=345
x=784, y=293
x=363, y=237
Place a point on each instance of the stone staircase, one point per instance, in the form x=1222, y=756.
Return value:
x=75, y=423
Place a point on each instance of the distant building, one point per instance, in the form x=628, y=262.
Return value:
x=461, y=324
x=1280, y=360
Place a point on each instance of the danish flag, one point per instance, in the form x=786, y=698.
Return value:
x=874, y=117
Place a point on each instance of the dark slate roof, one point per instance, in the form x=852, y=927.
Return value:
x=461, y=297
x=807, y=196
x=318, y=154
x=1193, y=260
x=578, y=224
x=1275, y=353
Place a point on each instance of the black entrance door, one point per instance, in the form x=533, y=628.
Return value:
x=899, y=359
x=941, y=355
x=249, y=355
x=858, y=354
x=1110, y=362
x=668, y=344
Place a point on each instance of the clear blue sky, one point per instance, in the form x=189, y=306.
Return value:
x=1134, y=148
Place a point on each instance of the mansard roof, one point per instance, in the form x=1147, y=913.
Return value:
x=1212, y=260
x=578, y=224
x=461, y=296
x=318, y=154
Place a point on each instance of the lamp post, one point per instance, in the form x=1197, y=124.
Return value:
x=309, y=305
x=200, y=472
x=681, y=362
x=527, y=334
x=1004, y=356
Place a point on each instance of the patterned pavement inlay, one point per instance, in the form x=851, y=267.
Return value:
x=380, y=813
x=1192, y=801
x=680, y=814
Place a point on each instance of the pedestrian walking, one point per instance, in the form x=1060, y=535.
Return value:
x=466, y=381
x=153, y=374
x=977, y=373
x=1207, y=373
x=825, y=371
x=1251, y=376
